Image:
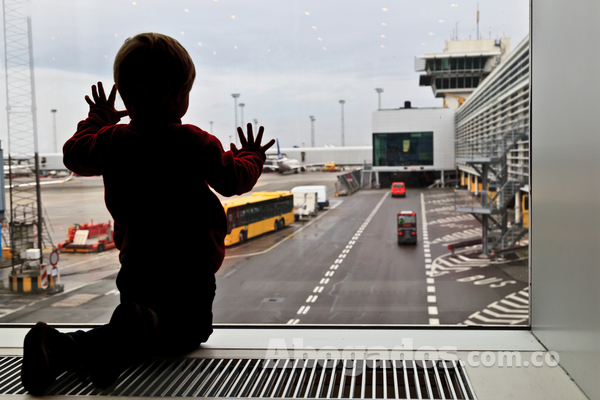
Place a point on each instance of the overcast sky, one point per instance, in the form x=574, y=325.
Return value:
x=287, y=59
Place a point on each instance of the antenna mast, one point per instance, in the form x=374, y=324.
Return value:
x=478, y=21
x=26, y=220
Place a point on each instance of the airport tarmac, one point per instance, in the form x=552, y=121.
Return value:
x=343, y=266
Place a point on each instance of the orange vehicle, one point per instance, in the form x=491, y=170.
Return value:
x=398, y=189
x=88, y=238
x=407, y=227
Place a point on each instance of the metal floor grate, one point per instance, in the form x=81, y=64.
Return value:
x=257, y=378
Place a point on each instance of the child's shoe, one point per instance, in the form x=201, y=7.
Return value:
x=46, y=354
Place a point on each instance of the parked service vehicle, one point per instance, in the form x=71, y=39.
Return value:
x=398, y=189
x=320, y=190
x=407, y=227
x=330, y=167
x=305, y=205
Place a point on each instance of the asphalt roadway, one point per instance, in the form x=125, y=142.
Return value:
x=343, y=266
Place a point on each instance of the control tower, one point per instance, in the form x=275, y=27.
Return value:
x=455, y=73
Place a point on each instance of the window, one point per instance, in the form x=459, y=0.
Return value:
x=286, y=65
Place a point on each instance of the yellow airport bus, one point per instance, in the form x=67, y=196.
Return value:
x=262, y=212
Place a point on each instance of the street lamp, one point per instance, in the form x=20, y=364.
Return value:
x=255, y=125
x=235, y=97
x=53, y=111
x=342, y=103
x=242, y=110
x=211, y=131
x=312, y=131
x=379, y=91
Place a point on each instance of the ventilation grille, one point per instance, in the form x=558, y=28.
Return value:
x=255, y=378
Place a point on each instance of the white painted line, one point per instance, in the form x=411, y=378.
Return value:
x=426, y=246
x=300, y=310
x=316, y=289
x=324, y=281
x=427, y=266
x=291, y=321
x=308, y=299
x=430, y=281
x=434, y=321
x=431, y=299
x=507, y=310
x=432, y=310
x=321, y=289
x=430, y=289
x=339, y=261
x=334, y=266
x=306, y=309
x=515, y=305
x=329, y=273
x=513, y=296
x=113, y=292
x=314, y=298
x=499, y=315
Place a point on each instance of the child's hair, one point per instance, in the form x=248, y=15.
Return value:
x=151, y=70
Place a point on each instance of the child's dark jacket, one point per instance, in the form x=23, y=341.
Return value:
x=156, y=179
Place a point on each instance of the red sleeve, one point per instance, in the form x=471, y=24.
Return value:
x=231, y=174
x=82, y=153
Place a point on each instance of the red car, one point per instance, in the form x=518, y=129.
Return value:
x=398, y=189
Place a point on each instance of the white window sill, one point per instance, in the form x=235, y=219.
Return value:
x=494, y=382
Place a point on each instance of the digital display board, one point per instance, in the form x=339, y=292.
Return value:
x=402, y=149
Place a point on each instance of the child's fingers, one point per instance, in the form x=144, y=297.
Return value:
x=89, y=101
x=259, y=136
x=243, y=141
x=268, y=145
x=122, y=113
x=95, y=93
x=250, y=134
x=101, y=90
x=233, y=148
x=112, y=95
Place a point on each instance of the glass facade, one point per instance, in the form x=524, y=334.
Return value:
x=402, y=149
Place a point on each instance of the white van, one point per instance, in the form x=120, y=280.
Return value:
x=305, y=205
x=320, y=190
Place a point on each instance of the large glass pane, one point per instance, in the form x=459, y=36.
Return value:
x=334, y=83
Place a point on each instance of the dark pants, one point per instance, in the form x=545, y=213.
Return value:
x=182, y=303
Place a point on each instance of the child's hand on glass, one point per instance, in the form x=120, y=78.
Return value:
x=251, y=143
x=101, y=100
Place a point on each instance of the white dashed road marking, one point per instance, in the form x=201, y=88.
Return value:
x=340, y=258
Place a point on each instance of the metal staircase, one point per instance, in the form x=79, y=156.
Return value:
x=490, y=206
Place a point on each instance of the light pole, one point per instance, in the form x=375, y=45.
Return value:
x=312, y=131
x=235, y=97
x=242, y=110
x=255, y=125
x=379, y=91
x=211, y=131
x=342, y=103
x=53, y=111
